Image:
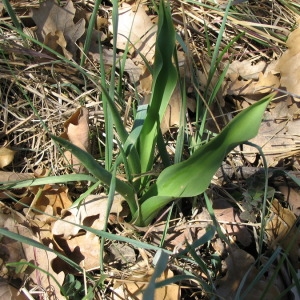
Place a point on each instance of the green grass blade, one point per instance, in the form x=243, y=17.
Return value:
x=34, y=243
x=164, y=82
x=46, y=180
x=12, y=14
x=90, y=29
x=96, y=170
x=160, y=266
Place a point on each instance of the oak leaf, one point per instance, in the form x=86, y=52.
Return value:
x=91, y=212
x=136, y=29
x=15, y=251
x=288, y=65
x=77, y=132
x=50, y=19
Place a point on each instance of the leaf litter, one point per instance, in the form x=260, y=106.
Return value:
x=42, y=210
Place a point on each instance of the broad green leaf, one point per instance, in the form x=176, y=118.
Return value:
x=192, y=177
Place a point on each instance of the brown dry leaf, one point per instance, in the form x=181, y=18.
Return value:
x=136, y=27
x=50, y=18
x=91, y=212
x=246, y=78
x=246, y=69
x=238, y=263
x=14, y=251
x=8, y=292
x=132, y=288
x=289, y=66
x=281, y=229
x=84, y=249
x=292, y=196
x=173, y=111
x=6, y=156
x=57, y=42
x=12, y=176
x=134, y=71
x=145, y=80
x=224, y=212
x=77, y=132
x=279, y=132
x=265, y=83
x=52, y=199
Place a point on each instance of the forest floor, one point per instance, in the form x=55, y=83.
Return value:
x=238, y=240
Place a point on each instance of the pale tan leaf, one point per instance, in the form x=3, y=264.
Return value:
x=246, y=69
x=134, y=71
x=133, y=287
x=225, y=214
x=43, y=259
x=6, y=156
x=280, y=222
x=91, y=212
x=8, y=292
x=289, y=66
x=77, y=128
x=15, y=251
x=281, y=229
x=82, y=249
x=266, y=82
x=278, y=134
x=13, y=176
x=57, y=42
x=136, y=27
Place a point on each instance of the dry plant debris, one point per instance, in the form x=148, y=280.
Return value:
x=55, y=27
x=36, y=87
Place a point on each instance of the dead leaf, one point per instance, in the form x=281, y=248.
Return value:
x=292, y=196
x=14, y=251
x=6, y=156
x=10, y=177
x=50, y=19
x=281, y=229
x=91, y=212
x=278, y=134
x=224, y=212
x=265, y=83
x=13, y=176
x=134, y=71
x=8, y=292
x=51, y=199
x=132, y=288
x=77, y=132
x=246, y=69
x=288, y=65
x=83, y=248
x=238, y=264
x=136, y=28
x=57, y=42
